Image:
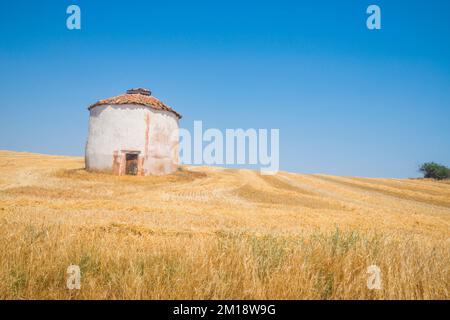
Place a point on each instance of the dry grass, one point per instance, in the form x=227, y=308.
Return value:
x=209, y=233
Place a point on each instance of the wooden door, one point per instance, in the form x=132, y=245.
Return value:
x=131, y=167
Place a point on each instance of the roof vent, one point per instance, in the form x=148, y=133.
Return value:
x=144, y=92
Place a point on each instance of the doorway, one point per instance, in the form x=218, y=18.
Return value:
x=131, y=167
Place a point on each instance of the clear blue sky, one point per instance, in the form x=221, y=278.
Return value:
x=347, y=100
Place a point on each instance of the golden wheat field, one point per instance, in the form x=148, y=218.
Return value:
x=212, y=233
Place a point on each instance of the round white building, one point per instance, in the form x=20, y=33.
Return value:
x=134, y=134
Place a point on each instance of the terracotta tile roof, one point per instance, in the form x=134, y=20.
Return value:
x=137, y=96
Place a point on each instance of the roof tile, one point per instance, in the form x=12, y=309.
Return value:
x=136, y=98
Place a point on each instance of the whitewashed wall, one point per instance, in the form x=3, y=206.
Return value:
x=134, y=128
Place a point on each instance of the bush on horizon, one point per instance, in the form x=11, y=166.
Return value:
x=435, y=171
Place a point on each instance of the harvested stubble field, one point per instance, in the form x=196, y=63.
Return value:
x=209, y=233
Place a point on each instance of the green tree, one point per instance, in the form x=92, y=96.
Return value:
x=435, y=171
